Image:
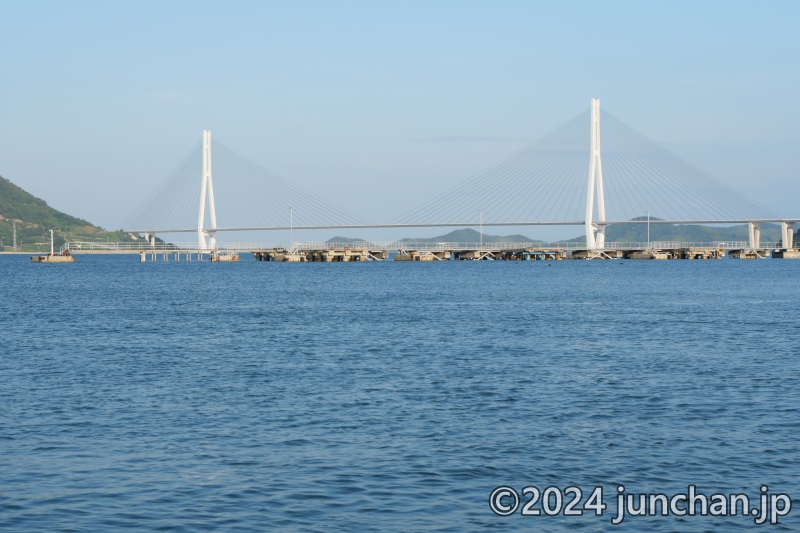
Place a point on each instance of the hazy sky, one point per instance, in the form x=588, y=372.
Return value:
x=378, y=106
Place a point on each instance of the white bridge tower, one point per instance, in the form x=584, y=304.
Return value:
x=595, y=231
x=207, y=189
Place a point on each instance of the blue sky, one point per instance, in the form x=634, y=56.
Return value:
x=381, y=105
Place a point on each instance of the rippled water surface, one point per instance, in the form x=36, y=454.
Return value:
x=389, y=396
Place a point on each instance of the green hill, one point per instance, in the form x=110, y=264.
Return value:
x=470, y=235
x=34, y=219
x=459, y=235
x=684, y=233
x=626, y=233
x=350, y=241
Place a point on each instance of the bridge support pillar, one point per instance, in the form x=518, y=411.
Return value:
x=206, y=189
x=755, y=235
x=596, y=240
x=787, y=235
x=600, y=236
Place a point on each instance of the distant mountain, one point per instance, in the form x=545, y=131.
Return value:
x=616, y=233
x=344, y=240
x=470, y=235
x=34, y=220
x=684, y=233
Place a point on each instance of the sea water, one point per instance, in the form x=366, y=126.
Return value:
x=392, y=396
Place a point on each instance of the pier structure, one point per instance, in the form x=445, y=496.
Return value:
x=571, y=250
x=423, y=255
x=335, y=252
x=786, y=254
x=321, y=254
x=676, y=253
x=52, y=258
x=189, y=255
x=481, y=252
x=63, y=256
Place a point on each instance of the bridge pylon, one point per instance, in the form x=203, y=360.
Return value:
x=207, y=189
x=595, y=231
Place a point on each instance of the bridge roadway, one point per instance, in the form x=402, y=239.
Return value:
x=596, y=243
x=467, y=224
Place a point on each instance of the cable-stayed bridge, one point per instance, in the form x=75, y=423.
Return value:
x=568, y=177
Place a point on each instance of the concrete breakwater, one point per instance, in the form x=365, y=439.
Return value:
x=330, y=252
x=557, y=254
x=482, y=254
x=320, y=255
x=490, y=253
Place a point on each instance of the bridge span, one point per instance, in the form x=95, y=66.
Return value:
x=543, y=184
